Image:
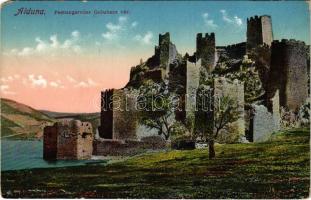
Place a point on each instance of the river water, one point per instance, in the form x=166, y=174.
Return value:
x=27, y=154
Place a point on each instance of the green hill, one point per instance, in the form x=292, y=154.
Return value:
x=19, y=121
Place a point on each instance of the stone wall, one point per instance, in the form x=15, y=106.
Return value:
x=234, y=90
x=156, y=75
x=264, y=120
x=124, y=120
x=67, y=143
x=50, y=143
x=289, y=73
x=106, y=126
x=184, y=81
x=236, y=51
x=120, y=120
x=206, y=50
x=128, y=147
x=85, y=140
x=192, y=84
x=263, y=124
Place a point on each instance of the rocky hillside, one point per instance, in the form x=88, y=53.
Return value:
x=19, y=121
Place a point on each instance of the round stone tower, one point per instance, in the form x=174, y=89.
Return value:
x=289, y=72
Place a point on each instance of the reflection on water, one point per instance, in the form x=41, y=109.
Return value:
x=24, y=154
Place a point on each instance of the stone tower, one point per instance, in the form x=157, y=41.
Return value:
x=289, y=73
x=259, y=31
x=68, y=140
x=205, y=50
x=106, y=126
x=118, y=114
x=165, y=52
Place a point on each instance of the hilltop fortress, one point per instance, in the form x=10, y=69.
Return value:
x=282, y=67
x=265, y=77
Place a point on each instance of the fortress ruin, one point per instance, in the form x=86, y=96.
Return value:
x=68, y=140
x=283, y=74
x=282, y=68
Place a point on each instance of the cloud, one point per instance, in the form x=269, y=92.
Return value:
x=208, y=22
x=5, y=90
x=51, y=46
x=134, y=24
x=85, y=84
x=231, y=20
x=81, y=84
x=37, y=81
x=10, y=78
x=114, y=30
x=144, y=39
x=70, y=79
x=56, y=84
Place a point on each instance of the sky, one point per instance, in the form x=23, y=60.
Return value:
x=62, y=62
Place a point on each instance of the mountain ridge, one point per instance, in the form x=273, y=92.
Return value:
x=20, y=121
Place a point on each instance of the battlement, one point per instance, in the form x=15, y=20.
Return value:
x=206, y=50
x=206, y=38
x=236, y=50
x=233, y=46
x=107, y=91
x=289, y=42
x=257, y=18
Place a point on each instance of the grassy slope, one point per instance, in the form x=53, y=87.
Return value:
x=275, y=169
x=17, y=118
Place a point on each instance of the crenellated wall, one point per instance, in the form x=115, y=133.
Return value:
x=236, y=51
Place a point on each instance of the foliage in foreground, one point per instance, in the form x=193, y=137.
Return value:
x=275, y=169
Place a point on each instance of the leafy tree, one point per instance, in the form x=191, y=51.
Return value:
x=204, y=114
x=226, y=111
x=211, y=123
x=156, y=108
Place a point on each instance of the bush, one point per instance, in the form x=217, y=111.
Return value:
x=183, y=144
